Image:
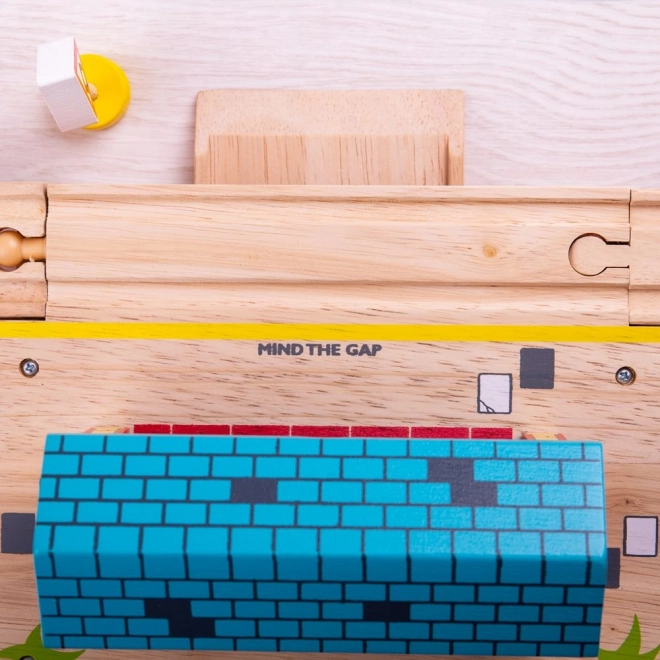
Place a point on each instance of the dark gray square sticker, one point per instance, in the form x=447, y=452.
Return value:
x=17, y=533
x=537, y=368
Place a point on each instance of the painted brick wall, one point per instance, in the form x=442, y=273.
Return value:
x=309, y=544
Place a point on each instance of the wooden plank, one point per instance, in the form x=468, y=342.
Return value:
x=376, y=137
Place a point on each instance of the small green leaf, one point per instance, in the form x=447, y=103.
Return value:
x=629, y=650
x=34, y=648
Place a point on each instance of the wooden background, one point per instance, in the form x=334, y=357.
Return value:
x=557, y=92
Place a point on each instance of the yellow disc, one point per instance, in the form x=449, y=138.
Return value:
x=112, y=88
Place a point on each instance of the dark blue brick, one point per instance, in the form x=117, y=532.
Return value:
x=519, y=613
x=386, y=647
x=453, y=631
x=300, y=645
x=105, y=626
x=123, y=607
x=432, y=648
x=148, y=627
x=213, y=644
x=543, y=595
x=563, y=650
x=237, y=590
x=62, y=625
x=327, y=591
x=410, y=592
x=451, y=593
x=322, y=629
x=342, y=611
x=80, y=607
x=497, y=631
x=91, y=588
x=84, y=641
x=189, y=589
x=473, y=648
x=279, y=629
x=299, y=610
x=516, y=648
x=409, y=631
x=144, y=588
x=364, y=592
x=212, y=609
x=343, y=646
x=170, y=643
x=430, y=612
x=277, y=591
x=474, y=612
x=127, y=642
x=255, y=610
x=256, y=645
x=365, y=630
x=498, y=594
x=540, y=633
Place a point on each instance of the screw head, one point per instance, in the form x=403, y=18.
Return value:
x=625, y=376
x=29, y=367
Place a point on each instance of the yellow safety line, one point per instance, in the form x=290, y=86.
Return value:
x=300, y=332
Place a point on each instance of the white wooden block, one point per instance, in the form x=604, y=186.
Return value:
x=62, y=82
x=640, y=536
x=494, y=392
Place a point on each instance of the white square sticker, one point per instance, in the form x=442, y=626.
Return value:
x=640, y=536
x=494, y=392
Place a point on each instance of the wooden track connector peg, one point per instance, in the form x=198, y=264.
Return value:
x=16, y=249
x=591, y=254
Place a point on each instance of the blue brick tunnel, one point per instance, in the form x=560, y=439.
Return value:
x=312, y=544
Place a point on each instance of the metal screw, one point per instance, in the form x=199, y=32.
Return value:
x=27, y=657
x=29, y=367
x=625, y=376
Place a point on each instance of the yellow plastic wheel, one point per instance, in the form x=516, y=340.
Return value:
x=112, y=88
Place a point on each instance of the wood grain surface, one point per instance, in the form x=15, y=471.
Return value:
x=557, y=93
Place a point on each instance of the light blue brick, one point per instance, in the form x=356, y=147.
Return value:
x=246, y=564
x=387, y=647
x=123, y=607
x=342, y=447
x=235, y=591
x=85, y=641
x=213, y=444
x=93, y=588
x=362, y=468
x=430, y=612
x=141, y=513
x=518, y=495
x=589, y=520
x=274, y=515
x=497, y=631
x=43, y=565
x=55, y=512
x=213, y=644
x=562, y=495
x=473, y=648
x=210, y=490
x=538, y=471
x=277, y=591
x=594, y=615
x=235, y=628
x=322, y=629
x=126, y=443
x=452, y=593
x=430, y=648
x=478, y=449
x=73, y=551
x=474, y=613
x=410, y=592
x=452, y=631
x=170, y=643
x=318, y=515
x=62, y=625
x=127, y=642
x=410, y=631
x=430, y=556
x=278, y=629
x=554, y=449
x=386, y=554
x=540, y=633
x=146, y=466
x=406, y=516
x=229, y=514
x=386, y=447
x=144, y=588
x=118, y=552
x=148, y=627
x=97, y=512
x=256, y=445
x=57, y=464
x=167, y=489
x=565, y=650
x=385, y=493
x=362, y=516
x=169, y=444
x=256, y=644
x=430, y=493
x=80, y=607
x=319, y=468
x=247, y=609
x=207, y=553
x=122, y=489
x=299, y=611
x=451, y=517
x=517, y=449
x=430, y=448
x=212, y=609
x=232, y=466
x=296, y=554
x=48, y=606
x=341, y=552
x=300, y=446
x=494, y=470
x=324, y=591
x=276, y=467
x=518, y=613
x=407, y=469
x=562, y=614
x=585, y=595
x=79, y=489
x=595, y=496
x=189, y=589
x=185, y=513
x=542, y=519
x=593, y=451
x=105, y=465
x=363, y=592
x=300, y=645
x=545, y=595
x=520, y=543
x=341, y=491
x=495, y=518
x=474, y=543
x=565, y=543
x=53, y=443
x=105, y=626
x=498, y=594
x=365, y=630
x=52, y=587
x=298, y=491
x=189, y=466
x=162, y=548
x=85, y=443
x=47, y=487
x=516, y=648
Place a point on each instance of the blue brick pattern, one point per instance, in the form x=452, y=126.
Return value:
x=337, y=545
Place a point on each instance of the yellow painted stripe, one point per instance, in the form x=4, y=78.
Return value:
x=326, y=332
